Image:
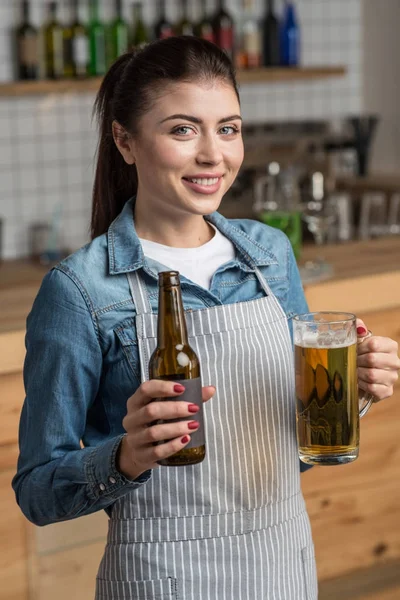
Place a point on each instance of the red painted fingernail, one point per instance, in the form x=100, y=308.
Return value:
x=193, y=424
x=185, y=439
x=193, y=408
x=179, y=388
x=361, y=330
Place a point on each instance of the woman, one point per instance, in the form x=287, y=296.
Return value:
x=234, y=526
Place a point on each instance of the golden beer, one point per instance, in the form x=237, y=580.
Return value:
x=327, y=404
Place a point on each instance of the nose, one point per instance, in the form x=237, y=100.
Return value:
x=209, y=151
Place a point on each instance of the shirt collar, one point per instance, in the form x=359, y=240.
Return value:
x=126, y=254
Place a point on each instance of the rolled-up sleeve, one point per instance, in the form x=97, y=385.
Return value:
x=56, y=478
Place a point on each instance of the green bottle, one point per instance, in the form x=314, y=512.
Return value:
x=76, y=51
x=97, y=41
x=140, y=37
x=53, y=45
x=118, y=35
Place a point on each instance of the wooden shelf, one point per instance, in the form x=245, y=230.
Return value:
x=73, y=86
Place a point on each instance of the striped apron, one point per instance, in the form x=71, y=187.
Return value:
x=233, y=527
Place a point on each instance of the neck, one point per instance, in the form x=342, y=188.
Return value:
x=189, y=231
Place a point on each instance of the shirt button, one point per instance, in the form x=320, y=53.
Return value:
x=102, y=487
x=112, y=480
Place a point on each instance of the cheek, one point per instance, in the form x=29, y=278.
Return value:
x=167, y=154
x=235, y=154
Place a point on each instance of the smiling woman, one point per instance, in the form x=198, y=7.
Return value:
x=233, y=526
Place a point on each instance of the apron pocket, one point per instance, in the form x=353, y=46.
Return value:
x=310, y=573
x=155, y=589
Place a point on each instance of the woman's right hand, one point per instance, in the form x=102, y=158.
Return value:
x=138, y=452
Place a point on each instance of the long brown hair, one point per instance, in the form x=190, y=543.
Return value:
x=128, y=90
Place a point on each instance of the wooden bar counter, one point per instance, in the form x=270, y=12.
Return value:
x=354, y=509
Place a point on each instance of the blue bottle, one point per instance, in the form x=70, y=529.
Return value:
x=290, y=37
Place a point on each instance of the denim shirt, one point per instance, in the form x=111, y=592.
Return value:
x=82, y=361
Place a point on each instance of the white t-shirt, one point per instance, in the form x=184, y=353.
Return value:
x=197, y=264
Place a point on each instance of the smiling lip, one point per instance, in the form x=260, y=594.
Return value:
x=207, y=183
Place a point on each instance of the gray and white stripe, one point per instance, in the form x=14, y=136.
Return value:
x=233, y=527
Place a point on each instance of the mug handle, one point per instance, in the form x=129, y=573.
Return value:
x=366, y=399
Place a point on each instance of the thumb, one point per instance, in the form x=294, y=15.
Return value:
x=208, y=392
x=362, y=329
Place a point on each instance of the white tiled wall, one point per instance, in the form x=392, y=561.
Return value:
x=47, y=143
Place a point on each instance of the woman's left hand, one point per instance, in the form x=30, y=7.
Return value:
x=378, y=363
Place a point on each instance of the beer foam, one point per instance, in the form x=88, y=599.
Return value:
x=325, y=340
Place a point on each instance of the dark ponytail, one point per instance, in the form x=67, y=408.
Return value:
x=128, y=91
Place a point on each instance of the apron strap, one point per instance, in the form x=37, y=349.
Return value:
x=263, y=282
x=139, y=293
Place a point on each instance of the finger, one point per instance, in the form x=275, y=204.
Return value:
x=164, y=410
x=362, y=329
x=152, y=453
x=208, y=392
x=166, y=431
x=379, y=360
x=378, y=344
x=155, y=388
x=377, y=376
x=379, y=391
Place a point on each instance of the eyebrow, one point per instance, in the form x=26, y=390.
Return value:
x=197, y=120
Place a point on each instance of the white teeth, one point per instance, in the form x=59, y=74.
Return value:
x=212, y=181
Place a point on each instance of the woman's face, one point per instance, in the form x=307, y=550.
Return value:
x=189, y=148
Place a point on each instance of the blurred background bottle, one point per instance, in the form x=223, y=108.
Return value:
x=184, y=26
x=277, y=202
x=140, y=36
x=223, y=26
x=290, y=37
x=53, y=45
x=118, y=38
x=204, y=28
x=97, y=41
x=270, y=34
x=251, y=37
x=163, y=28
x=76, y=47
x=26, y=38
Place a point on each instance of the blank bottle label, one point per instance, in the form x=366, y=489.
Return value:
x=192, y=395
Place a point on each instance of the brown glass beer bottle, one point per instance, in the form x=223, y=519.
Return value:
x=174, y=360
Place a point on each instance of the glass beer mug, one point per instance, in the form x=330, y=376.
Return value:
x=328, y=407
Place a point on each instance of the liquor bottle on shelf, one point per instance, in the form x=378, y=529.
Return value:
x=204, y=28
x=290, y=37
x=251, y=37
x=53, y=45
x=118, y=35
x=271, y=44
x=163, y=28
x=174, y=360
x=184, y=26
x=26, y=38
x=140, y=36
x=76, y=45
x=223, y=26
x=97, y=41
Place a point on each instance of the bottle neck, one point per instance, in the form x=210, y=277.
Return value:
x=94, y=10
x=75, y=10
x=270, y=6
x=161, y=10
x=118, y=8
x=171, y=317
x=137, y=12
x=184, y=9
x=53, y=11
x=25, y=11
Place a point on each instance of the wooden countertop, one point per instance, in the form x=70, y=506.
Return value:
x=368, y=272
